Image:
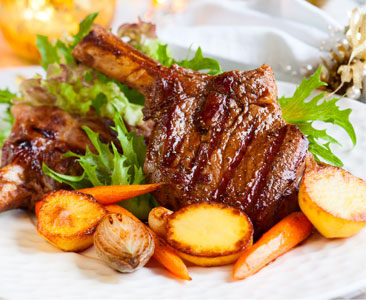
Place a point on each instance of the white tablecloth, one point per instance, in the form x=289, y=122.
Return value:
x=285, y=34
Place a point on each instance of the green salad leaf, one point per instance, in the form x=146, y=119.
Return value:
x=84, y=28
x=76, y=89
x=60, y=51
x=161, y=52
x=108, y=166
x=200, y=63
x=301, y=112
x=142, y=36
x=6, y=98
x=49, y=54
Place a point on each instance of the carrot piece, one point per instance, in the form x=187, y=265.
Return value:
x=168, y=257
x=285, y=235
x=112, y=194
x=163, y=253
x=37, y=207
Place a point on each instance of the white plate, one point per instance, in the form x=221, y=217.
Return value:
x=30, y=268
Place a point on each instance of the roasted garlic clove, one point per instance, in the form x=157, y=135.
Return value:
x=123, y=243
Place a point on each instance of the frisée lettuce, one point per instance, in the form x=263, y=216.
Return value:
x=111, y=167
x=298, y=110
x=7, y=121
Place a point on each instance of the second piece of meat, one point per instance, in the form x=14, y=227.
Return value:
x=42, y=134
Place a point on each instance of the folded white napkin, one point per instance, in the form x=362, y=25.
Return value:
x=280, y=33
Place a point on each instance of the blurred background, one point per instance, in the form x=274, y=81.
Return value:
x=21, y=20
x=293, y=36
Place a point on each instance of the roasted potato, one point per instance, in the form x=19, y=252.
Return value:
x=334, y=201
x=209, y=234
x=68, y=219
x=158, y=219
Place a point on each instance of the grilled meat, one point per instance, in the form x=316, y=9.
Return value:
x=42, y=134
x=216, y=138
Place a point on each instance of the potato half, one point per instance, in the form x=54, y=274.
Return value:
x=209, y=233
x=68, y=219
x=334, y=201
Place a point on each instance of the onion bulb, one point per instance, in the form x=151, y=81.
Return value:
x=123, y=243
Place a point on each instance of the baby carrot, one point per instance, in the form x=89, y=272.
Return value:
x=112, y=194
x=167, y=256
x=285, y=235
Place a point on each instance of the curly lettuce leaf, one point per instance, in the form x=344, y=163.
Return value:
x=60, y=51
x=142, y=36
x=6, y=98
x=7, y=119
x=302, y=113
x=110, y=167
x=49, y=54
x=77, y=89
x=136, y=34
x=200, y=63
x=158, y=51
x=84, y=28
x=161, y=52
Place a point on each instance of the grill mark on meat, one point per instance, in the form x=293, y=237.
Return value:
x=46, y=133
x=214, y=110
x=217, y=114
x=276, y=192
x=300, y=161
x=237, y=158
x=220, y=156
x=175, y=136
x=270, y=155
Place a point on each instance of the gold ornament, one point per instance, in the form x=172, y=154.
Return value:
x=345, y=71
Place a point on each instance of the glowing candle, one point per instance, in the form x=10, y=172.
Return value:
x=22, y=20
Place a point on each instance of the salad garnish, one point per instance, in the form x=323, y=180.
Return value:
x=298, y=110
x=111, y=167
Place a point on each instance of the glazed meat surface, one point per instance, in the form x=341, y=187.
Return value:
x=42, y=134
x=216, y=138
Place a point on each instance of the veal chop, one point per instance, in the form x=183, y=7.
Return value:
x=216, y=138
